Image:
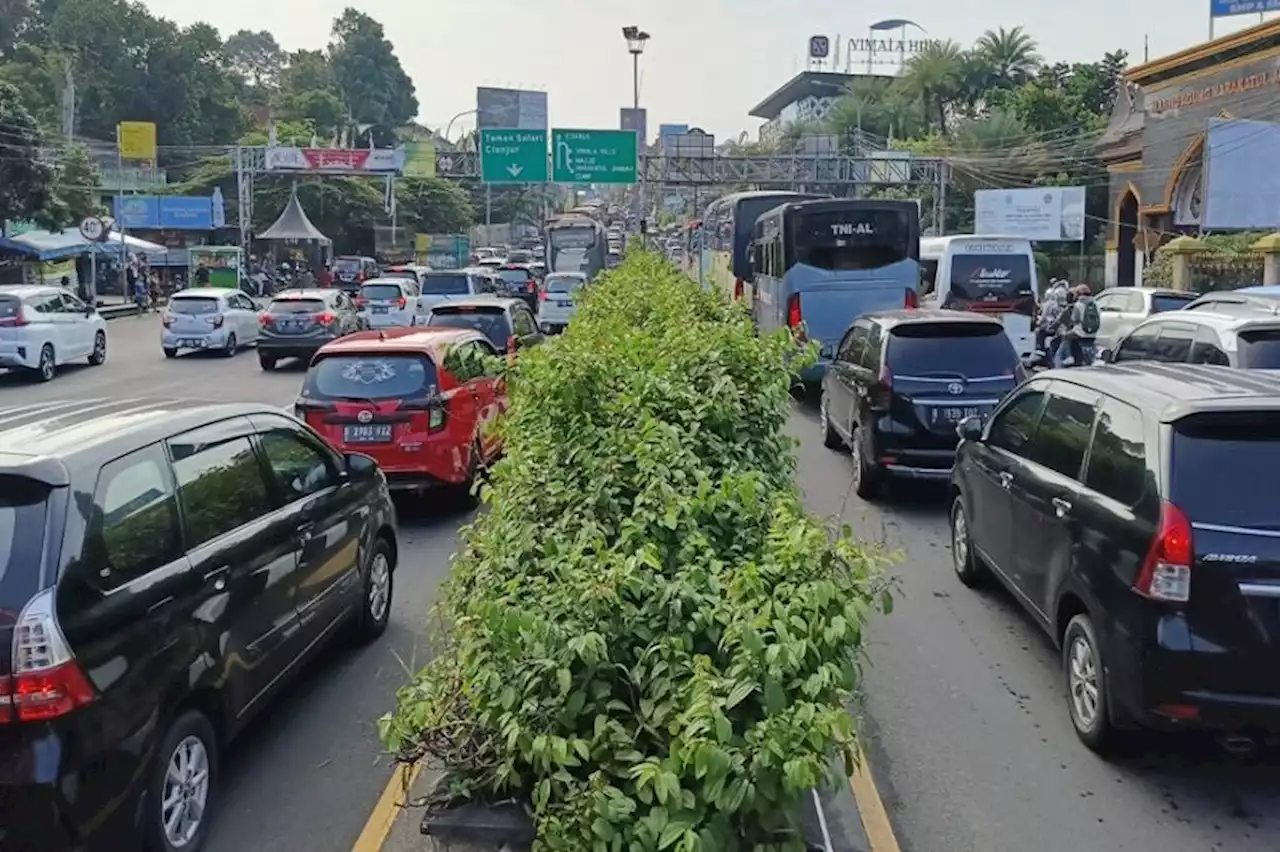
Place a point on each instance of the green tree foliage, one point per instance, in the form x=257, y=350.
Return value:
x=27, y=181
x=374, y=85
x=651, y=642
x=432, y=206
x=256, y=57
x=77, y=181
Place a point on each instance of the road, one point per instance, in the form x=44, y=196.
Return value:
x=965, y=711
x=308, y=771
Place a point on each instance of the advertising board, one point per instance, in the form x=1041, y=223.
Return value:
x=1045, y=213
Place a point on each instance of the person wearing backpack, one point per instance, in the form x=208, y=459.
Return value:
x=1081, y=330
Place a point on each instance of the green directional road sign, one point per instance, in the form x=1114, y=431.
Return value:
x=513, y=156
x=593, y=156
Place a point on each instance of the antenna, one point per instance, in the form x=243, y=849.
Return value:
x=1146, y=48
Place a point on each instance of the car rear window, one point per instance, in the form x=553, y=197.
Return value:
x=971, y=349
x=519, y=257
x=10, y=308
x=296, y=306
x=515, y=276
x=22, y=514
x=372, y=376
x=563, y=283
x=491, y=322
x=1259, y=350
x=381, y=292
x=445, y=285
x=349, y=264
x=193, y=305
x=1169, y=302
x=1215, y=455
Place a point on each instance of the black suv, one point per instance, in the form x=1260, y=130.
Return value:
x=506, y=322
x=298, y=322
x=899, y=383
x=521, y=283
x=1131, y=509
x=165, y=566
x=1234, y=333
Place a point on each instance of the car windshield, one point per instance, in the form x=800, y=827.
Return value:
x=564, y=283
x=193, y=305
x=372, y=376
x=381, y=292
x=1162, y=302
x=971, y=349
x=296, y=306
x=491, y=322
x=444, y=285
x=22, y=523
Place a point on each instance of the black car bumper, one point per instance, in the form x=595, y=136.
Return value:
x=290, y=349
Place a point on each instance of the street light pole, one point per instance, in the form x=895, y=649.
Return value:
x=636, y=40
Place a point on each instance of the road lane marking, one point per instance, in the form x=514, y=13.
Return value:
x=378, y=827
x=875, y=819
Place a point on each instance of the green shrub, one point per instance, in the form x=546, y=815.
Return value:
x=650, y=640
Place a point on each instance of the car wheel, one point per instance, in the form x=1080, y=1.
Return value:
x=232, y=346
x=99, y=354
x=867, y=478
x=267, y=362
x=183, y=785
x=1086, y=684
x=47, y=367
x=170, y=352
x=830, y=438
x=379, y=584
x=965, y=562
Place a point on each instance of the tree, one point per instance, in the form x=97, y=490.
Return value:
x=78, y=180
x=1010, y=55
x=374, y=85
x=255, y=57
x=433, y=206
x=934, y=77
x=27, y=182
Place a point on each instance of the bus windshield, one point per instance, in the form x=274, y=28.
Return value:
x=854, y=239
x=993, y=282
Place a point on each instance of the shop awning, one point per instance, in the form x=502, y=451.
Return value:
x=48, y=245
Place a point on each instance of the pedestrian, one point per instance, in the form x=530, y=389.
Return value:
x=130, y=278
x=202, y=275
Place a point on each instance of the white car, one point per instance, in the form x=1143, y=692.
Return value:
x=388, y=303
x=442, y=286
x=42, y=328
x=558, y=306
x=209, y=319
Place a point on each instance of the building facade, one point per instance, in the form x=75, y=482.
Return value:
x=807, y=97
x=1153, y=146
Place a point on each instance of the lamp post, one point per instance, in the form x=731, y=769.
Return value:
x=636, y=40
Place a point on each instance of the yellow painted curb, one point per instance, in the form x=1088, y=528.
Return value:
x=378, y=827
x=875, y=819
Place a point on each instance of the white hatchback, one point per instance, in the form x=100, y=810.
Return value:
x=388, y=303
x=559, y=291
x=212, y=319
x=42, y=328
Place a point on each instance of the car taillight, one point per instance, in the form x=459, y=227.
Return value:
x=436, y=419
x=15, y=321
x=912, y=299
x=882, y=391
x=47, y=681
x=1166, y=572
x=402, y=301
x=737, y=290
x=795, y=318
x=361, y=302
x=533, y=287
x=266, y=320
x=326, y=318
x=167, y=319
x=218, y=320
x=543, y=295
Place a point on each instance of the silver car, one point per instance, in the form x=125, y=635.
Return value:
x=559, y=291
x=1122, y=308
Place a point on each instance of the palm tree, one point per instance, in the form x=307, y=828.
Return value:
x=1011, y=55
x=933, y=76
x=871, y=110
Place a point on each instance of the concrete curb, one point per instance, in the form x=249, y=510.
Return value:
x=110, y=312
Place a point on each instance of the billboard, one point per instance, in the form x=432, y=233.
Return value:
x=1237, y=193
x=170, y=213
x=1048, y=213
x=666, y=131
x=1228, y=8
x=637, y=120
x=335, y=161
x=510, y=109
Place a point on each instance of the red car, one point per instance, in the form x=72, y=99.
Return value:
x=387, y=394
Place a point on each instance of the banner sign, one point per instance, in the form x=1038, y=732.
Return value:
x=170, y=213
x=1230, y=8
x=1049, y=213
x=137, y=140
x=443, y=251
x=336, y=161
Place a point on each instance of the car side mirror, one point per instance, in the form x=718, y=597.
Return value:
x=90, y=310
x=970, y=428
x=1106, y=356
x=359, y=465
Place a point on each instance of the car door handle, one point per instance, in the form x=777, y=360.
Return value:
x=1060, y=507
x=218, y=577
x=1006, y=479
x=304, y=529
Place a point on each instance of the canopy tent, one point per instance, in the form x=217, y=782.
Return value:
x=47, y=245
x=293, y=224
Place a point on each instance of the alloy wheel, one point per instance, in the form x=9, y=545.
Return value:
x=379, y=586
x=185, y=792
x=1082, y=679
x=47, y=366
x=959, y=539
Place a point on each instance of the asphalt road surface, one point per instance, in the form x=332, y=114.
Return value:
x=965, y=711
x=308, y=771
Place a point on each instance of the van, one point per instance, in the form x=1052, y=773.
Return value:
x=989, y=274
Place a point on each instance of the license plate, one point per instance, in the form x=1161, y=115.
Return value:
x=950, y=415
x=367, y=433
x=191, y=343
x=380, y=310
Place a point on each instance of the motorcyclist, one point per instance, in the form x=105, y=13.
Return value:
x=1051, y=307
x=1079, y=327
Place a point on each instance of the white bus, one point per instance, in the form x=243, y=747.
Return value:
x=990, y=274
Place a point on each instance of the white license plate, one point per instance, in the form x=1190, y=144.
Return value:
x=367, y=433
x=951, y=415
x=191, y=343
x=380, y=310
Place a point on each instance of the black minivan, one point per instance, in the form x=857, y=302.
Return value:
x=164, y=567
x=1131, y=509
x=899, y=383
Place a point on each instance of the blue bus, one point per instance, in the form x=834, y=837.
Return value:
x=726, y=233
x=820, y=264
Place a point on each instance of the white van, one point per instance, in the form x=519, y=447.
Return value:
x=991, y=275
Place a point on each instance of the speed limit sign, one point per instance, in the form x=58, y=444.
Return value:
x=93, y=229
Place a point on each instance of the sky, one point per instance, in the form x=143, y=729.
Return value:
x=708, y=62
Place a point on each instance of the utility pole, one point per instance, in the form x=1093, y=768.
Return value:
x=68, y=102
x=636, y=40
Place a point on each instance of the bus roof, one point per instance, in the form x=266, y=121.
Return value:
x=735, y=197
x=934, y=247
